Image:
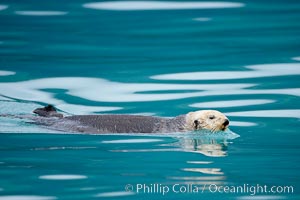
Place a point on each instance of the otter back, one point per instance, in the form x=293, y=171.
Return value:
x=119, y=123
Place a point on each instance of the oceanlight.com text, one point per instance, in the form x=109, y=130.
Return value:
x=248, y=189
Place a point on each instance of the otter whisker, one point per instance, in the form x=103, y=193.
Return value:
x=204, y=126
x=214, y=130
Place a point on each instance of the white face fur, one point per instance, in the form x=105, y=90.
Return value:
x=206, y=119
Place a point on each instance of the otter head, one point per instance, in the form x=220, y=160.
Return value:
x=206, y=119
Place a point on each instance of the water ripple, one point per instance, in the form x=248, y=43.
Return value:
x=6, y=73
x=290, y=113
x=238, y=123
x=257, y=71
x=202, y=19
x=200, y=178
x=204, y=170
x=26, y=197
x=41, y=13
x=231, y=103
x=87, y=88
x=114, y=194
x=199, y=162
x=159, y=5
x=261, y=197
x=62, y=177
x=3, y=7
x=296, y=58
x=131, y=141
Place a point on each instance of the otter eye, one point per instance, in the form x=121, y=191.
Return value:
x=211, y=117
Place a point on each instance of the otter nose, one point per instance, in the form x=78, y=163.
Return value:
x=226, y=122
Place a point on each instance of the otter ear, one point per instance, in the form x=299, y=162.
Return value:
x=197, y=124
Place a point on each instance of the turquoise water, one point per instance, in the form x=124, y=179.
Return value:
x=163, y=59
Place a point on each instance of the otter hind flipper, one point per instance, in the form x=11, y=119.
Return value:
x=48, y=111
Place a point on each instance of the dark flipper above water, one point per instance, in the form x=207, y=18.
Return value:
x=48, y=111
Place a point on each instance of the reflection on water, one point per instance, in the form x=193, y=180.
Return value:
x=214, y=171
x=238, y=123
x=3, y=7
x=114, y=194
x=202, y=19
x=199, y=162
x=41, y=13
x=262, y=197
x=131, y=141
x=209, y=148
x=101, y=90
x=62, y=177
x=256, y=71
x=159, y=5
x=206, y=146
x=200, y=178
x=26, y=197
x=6, y=73
x=232, y=103
x=204, y=142
x=290, y=113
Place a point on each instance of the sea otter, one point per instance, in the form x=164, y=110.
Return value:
x=204, y=119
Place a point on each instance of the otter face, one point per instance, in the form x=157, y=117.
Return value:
x=207, y=119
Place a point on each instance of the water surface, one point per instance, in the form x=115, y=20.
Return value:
x=150, y=58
